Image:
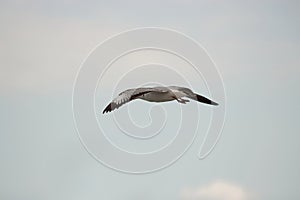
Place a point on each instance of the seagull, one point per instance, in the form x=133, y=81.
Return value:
x=157, y=94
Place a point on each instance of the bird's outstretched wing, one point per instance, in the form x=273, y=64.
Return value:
x=190, y=94
x=127, y=96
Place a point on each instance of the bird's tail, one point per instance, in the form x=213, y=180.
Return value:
x=202, y=99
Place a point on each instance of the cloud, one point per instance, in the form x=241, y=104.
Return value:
x=218, y=190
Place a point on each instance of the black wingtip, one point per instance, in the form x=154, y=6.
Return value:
x=205, y=100
x=214, y=103
x=107, y=109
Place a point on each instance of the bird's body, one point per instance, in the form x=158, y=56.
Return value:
x=157, y=94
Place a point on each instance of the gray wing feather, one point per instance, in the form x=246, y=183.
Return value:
x=190, y=94
x=129, y=95
x=187, y=91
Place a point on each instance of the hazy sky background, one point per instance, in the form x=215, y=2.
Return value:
x=255, y=44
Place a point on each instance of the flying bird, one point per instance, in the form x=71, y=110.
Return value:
x=157, y=94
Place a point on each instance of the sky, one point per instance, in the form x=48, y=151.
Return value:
x=255, y=45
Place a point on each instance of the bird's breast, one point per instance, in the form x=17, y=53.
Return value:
x=157, y=97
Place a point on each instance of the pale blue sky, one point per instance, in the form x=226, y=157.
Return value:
x=254, y=44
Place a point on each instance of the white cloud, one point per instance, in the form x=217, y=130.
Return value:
x=218, y=190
